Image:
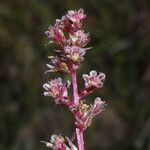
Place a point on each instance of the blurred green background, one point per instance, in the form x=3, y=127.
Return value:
x=120, y=32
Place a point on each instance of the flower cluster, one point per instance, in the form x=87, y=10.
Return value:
x=56, y=89
x=79, y=38
x=57, y=64
x=72, y=21
x=84, y=113
x=68, y=34
x=56, y=34
x=57, y=142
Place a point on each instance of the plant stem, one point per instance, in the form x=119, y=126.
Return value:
x=79, y=132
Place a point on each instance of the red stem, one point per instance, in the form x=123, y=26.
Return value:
x=86, y=91
x=79, y=132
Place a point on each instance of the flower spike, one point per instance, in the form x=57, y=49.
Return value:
x=68, y=33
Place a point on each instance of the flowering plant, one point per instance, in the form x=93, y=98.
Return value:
x=67, y=32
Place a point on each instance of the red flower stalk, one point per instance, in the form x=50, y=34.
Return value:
x=67, y=32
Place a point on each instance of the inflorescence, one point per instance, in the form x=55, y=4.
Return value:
x=68, y=33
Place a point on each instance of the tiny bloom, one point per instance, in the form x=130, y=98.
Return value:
x=79, y=38
x=57, y=64
x=76, y=16
x=94, y=79
x=57, y=142
x=56, y=34
x=74, y=53
x=72, y=21
x=65, y=24
x=56, y=89
x=84, y=113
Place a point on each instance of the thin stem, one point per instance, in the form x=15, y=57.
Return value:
x=86, y=91
x=80, y=140
x=75, y=88
x=79, y=132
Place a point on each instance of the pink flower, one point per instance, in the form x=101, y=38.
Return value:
x=79, y=38
x=84, y=113
x=94, y=79
x=72, y=21
x=56, y=34
x=74, y=53
x=57, y=142
x=76, y=16
x=56, y=89
x=57, y=64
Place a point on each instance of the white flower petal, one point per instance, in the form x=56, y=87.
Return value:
x=102, y=76
x=46, y=86
x=93, y=73
x=85, y=77
x=50, y=66
x=46, y=94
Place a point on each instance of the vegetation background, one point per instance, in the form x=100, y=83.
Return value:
x=120, y=32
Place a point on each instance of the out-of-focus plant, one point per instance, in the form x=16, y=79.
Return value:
x=67, y=32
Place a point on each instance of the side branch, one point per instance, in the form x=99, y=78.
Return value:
x=86, y=91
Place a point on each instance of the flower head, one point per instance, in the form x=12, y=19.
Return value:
x=84, y=113
x=79, y=38
x=74, y=53
x=57, y=64
x=94, y=79
x=72, y=21
x=76, y=16
x=57, y=142
x=56, y=89
x=56, y=34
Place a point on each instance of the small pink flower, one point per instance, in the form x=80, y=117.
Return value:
x=57, y=142
x=79, y=38
x=76, y=16
x=64, y=24
x=56, y=89
x=74, y=53
x=57, y=64
x=94, y=79
x=72, y=21
x=56, y=34
x=84, y=114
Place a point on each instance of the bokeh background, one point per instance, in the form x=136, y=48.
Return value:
x=120, y=32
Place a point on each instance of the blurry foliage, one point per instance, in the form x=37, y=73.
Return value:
x=120, y=38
